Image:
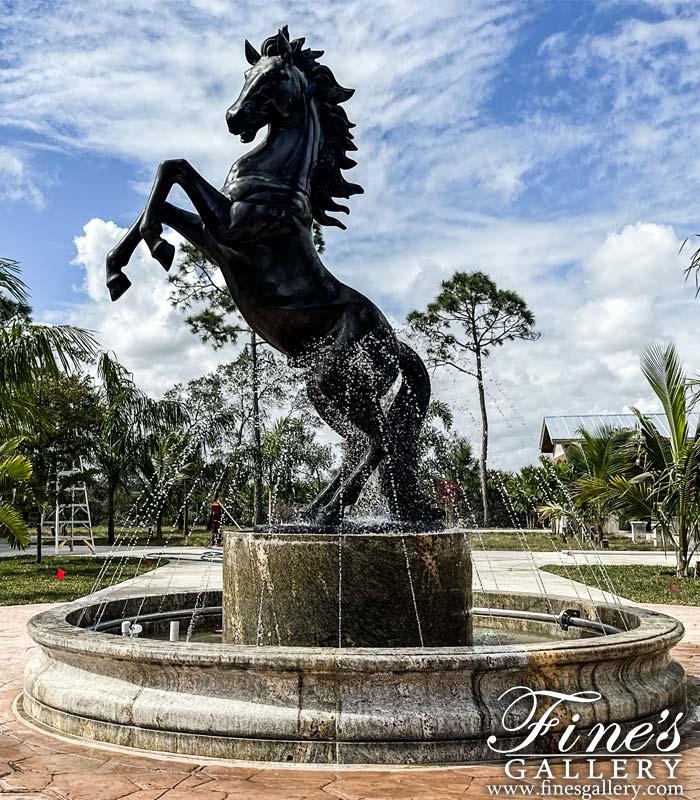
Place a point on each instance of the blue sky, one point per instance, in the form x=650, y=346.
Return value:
x=550, y=144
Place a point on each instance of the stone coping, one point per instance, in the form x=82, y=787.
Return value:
x=649, y=630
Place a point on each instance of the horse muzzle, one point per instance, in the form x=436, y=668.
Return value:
x=239, y=123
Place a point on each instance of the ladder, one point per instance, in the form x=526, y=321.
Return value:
x=70, y=517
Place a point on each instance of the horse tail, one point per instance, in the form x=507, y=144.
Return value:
x=411, y=402
x=404, y=421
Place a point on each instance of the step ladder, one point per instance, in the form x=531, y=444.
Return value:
x=69, y=518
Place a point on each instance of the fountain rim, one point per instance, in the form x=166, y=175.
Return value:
x=52, y=630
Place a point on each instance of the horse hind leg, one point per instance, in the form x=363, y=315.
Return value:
x=399, y=474
x=368, y=418
x=336, y=418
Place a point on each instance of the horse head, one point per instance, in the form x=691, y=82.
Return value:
x=274, y=88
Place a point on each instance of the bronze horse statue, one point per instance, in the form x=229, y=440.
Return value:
x=258, y=230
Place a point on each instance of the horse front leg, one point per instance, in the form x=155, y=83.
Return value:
x=213, y=207
x=184, y=222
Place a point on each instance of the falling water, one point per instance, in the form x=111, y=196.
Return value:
x=413, y=591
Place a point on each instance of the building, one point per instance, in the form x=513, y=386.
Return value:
x=559, y=432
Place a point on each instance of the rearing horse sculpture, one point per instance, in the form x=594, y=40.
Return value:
x=258, y=230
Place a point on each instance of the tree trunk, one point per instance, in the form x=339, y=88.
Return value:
x=110, y=513
x=220, y=482
x=682, y=563
x=257, y=443
x=269, y=499
x=39, y=534
x=185, y=511
x=483, y=473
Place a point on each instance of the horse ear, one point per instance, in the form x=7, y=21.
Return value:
x=251, y=54
x=297, y=44
x=284, y=49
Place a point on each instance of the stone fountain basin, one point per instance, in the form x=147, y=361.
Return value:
x=328, y=705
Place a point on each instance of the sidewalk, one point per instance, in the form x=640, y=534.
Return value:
x=509, y=570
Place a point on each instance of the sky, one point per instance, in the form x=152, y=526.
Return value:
x=552, y=145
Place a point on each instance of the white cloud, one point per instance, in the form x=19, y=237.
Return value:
x=149, y=337
x=643, y=257
x=144, y=86
x=16, y=179
x=636, y=84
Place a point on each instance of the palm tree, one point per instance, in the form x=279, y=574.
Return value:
x=162, y=470
x=292, y=458
x=594, y=463
x=28, y=353
x=15, y=475
x=531, y=489
x=667, y=490
x=600, y=457
x=127, y=417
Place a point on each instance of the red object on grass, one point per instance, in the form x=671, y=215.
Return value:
x=673, y=589
x=145, y=560
x=448, y=490
x=60, y=574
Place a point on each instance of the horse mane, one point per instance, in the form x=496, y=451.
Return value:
x=327, y=180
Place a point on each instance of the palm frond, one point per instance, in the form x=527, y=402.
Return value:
x=10, y=281
x=13, y=527
x=28, y=351
x=661, y=366
x=13, y=470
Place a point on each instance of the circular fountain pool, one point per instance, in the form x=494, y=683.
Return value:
x=410, y=704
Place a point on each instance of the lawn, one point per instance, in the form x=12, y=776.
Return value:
x=23, y=581
x=642, y=584
x=542, y=542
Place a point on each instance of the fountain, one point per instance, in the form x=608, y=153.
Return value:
x=331, y=641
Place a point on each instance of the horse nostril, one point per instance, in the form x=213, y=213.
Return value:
x=234, y=119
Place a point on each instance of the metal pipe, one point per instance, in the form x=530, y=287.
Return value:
x=569, y=618
x=156, y=616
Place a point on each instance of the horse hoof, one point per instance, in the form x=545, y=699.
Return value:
x=117, y=285
x=164, y=254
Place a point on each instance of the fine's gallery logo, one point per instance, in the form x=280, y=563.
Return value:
x=608, y=758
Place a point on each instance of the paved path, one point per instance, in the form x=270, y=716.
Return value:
x=518, y=571
x=494, y=570
x=36, y=766
x=185, y=569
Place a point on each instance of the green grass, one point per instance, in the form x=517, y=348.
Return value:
x=542, y=542
x=24, y=581
x=642, y=584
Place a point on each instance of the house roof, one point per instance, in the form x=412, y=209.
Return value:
x=563, y=430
